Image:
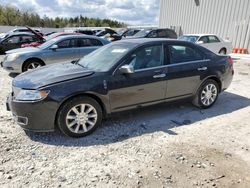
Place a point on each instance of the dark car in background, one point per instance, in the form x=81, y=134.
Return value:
x=16, y=40
x=120, y=76
x=155, y=33
x=21, y=30
x=128, y=32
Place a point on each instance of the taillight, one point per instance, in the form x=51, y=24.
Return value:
x=230, y=60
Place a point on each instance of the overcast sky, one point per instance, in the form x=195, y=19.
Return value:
x=133, y=12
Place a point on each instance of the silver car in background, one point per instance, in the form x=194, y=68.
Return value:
x=61, y=49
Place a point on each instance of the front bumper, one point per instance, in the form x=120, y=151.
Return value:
x=12, y=66
x=34, y=116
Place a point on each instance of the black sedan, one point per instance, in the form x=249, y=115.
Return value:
x=15, y=40
x=155, y=33
x=122, y=75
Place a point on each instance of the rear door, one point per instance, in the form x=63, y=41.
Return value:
x=186, y=67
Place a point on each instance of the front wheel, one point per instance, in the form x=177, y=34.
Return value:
x=207, y=94
x=32, y=64
x=79, y=117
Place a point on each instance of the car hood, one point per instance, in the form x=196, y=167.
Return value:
x=50, y=74
x=23, y=50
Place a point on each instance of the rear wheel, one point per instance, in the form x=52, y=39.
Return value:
x=79, y=117
x=207, y=94
x=32, y=64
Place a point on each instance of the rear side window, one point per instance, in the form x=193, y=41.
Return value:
x=181, y=53
x=213, y=39
x=89, y=42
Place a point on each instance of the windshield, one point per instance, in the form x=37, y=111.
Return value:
x=142, y=33
x=48, y=44
x=189, y=38
x=105, y=57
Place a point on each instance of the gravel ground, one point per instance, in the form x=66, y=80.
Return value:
x=175, y=145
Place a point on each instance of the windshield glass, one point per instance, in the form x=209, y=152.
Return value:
x=142, y=33
x=189, y=38
x=48, y=43
x=106, y=57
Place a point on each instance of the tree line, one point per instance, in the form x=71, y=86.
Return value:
x=12, y=16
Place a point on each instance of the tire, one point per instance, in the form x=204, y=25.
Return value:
x=205, y=99
x=32, y=64
x=223, y=51
x=81, y=124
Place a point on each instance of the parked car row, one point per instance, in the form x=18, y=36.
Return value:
x=210, y=41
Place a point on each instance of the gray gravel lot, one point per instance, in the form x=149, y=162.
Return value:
x=169, y=145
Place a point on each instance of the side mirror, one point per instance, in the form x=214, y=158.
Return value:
x=54, y=47
x=127, y=69
x=200, y=42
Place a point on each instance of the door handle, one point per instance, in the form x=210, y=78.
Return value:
x=202, y=69
x=159, y=76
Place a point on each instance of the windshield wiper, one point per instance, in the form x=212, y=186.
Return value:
x=76, y=62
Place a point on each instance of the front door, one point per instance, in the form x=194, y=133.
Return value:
x=186, y=65
x=67, y=51
x=11, y=43
x=146, y=85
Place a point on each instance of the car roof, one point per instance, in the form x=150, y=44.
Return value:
x=77, y=36
x=199, y=34
x=149, y=40
x=20, y=33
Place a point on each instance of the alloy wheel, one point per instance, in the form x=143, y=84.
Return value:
x=209, y=94
x=81, y=118
x=33, y=65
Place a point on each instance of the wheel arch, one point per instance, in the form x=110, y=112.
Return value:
x=32, y=58
x=223, y=48
x=90, y=95
x=213, y=77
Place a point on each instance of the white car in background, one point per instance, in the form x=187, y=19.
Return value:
x=210, y=41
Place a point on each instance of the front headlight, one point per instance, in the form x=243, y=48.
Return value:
x=12, y=57
x=31, y=95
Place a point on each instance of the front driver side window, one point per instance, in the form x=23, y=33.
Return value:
x=13, y=40
x=147, y=57
x=69, y=43
x=152, y=34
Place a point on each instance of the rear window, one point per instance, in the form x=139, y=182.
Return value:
x=181, y=53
